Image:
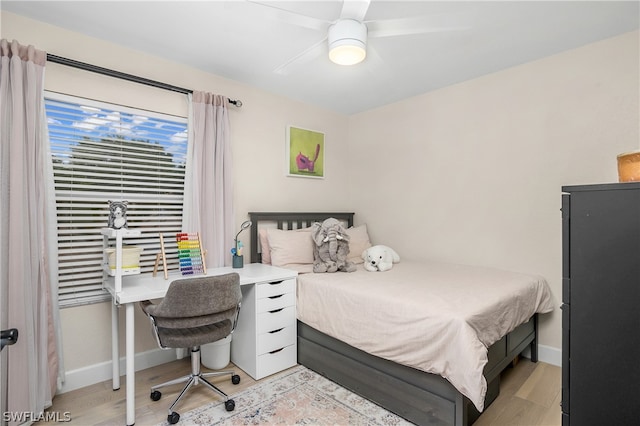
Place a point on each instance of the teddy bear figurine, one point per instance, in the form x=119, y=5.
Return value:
x=331, y=247
x=379, y=258
x=117, y=214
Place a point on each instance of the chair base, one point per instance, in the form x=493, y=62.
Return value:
x=196, y=377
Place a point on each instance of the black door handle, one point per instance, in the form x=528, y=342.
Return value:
x=9, y=337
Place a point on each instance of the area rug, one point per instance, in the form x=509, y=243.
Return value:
x=298, y=396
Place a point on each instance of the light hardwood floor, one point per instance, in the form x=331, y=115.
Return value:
x=529, y=396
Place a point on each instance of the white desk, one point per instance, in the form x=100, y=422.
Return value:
x=144, y=287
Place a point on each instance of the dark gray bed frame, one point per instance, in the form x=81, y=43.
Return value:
x=420, y=397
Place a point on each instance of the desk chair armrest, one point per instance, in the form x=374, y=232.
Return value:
x=156, y=333
x=235, y=320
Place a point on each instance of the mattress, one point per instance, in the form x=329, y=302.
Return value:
x=436, y=317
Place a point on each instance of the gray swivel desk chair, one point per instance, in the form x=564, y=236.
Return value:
x=195, y=311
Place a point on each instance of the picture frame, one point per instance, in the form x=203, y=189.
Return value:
x=305, y=153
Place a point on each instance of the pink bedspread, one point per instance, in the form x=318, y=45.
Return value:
x=436, y=317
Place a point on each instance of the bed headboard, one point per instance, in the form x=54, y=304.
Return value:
x=288, y=220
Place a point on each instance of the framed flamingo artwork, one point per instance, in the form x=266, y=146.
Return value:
x=305, y=153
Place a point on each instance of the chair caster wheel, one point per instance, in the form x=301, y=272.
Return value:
x=155, y=395
x=235, y=379
x=173, y=418
x=230, y=405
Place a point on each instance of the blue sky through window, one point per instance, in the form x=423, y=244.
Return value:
x=69, y=123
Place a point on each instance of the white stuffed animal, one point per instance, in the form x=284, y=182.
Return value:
x=379, y=258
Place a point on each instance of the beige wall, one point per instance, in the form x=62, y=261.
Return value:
x=258, y=148
x=470, y=173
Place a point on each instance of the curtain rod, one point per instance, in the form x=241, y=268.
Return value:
x=124, y=76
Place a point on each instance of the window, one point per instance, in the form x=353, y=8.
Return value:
x=104, y=152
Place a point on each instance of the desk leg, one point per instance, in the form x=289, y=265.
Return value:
x=131, y=378
x=115, y=347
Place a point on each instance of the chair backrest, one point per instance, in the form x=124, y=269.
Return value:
x=194, y=302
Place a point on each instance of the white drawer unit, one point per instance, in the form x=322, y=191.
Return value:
x=279, y=318
x=264, y=341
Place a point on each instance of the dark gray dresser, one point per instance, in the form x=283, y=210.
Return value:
x=601, y=304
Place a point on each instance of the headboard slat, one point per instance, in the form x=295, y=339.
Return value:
x=301, y=220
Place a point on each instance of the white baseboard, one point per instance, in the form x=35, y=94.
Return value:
x=92, y=374
x=81, y=377
x=547, y=354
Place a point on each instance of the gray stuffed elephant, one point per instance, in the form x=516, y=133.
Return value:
x=331, y=247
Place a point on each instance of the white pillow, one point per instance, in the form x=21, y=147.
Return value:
x=290, y=247
x=265, y=250
x=300, y=268
x=358, y=242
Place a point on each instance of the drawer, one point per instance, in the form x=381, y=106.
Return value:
x=273, y=320
x=496, y=353
x=520, y=334
x=275, y=288
x=277, y=339
x=276, y=302
x=272, y=362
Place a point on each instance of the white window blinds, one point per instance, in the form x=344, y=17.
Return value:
x=104, y=152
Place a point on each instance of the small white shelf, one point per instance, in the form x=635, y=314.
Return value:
x=118, y=272
x=125, y=271
x=122, y=232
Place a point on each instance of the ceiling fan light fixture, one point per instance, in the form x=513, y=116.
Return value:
x=347, y=42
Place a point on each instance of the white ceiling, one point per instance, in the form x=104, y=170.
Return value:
x=247, y=41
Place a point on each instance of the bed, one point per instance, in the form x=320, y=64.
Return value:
x=403, y=371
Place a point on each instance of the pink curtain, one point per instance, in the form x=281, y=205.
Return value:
x=30, y=367
x=209, y=187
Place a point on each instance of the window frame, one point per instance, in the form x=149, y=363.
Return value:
x=81, y=214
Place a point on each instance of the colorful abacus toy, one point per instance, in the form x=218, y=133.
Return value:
x=190, y=254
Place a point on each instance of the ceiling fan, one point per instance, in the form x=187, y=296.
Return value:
x=346, y=36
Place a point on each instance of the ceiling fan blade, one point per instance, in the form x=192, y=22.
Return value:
x=306, y=56
x=286, y=16
x=376, y=67
x=354, y=9
x=374, y=58
x=408, y=26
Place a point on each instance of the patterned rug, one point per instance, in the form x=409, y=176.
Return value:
x=298, y=396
